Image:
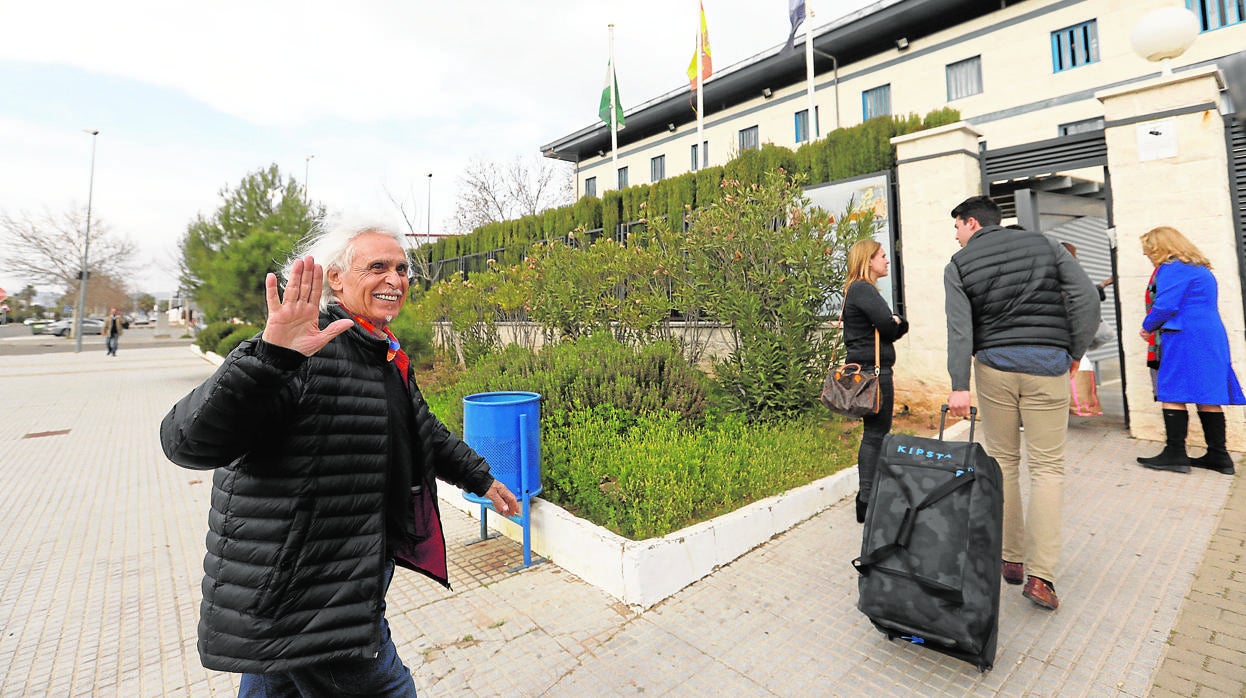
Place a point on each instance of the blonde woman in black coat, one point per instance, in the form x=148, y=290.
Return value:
x=866, y=311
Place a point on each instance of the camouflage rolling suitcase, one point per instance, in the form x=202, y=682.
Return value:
x=929, y=571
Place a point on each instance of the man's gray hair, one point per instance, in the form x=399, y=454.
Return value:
x=333, y=248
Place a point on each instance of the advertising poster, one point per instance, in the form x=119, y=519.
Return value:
x=868, y=192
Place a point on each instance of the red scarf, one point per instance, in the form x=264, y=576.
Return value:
x=1152, y=344
x=395, y=353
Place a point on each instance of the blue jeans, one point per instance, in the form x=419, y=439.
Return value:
x=385, y=675
x=110, y=343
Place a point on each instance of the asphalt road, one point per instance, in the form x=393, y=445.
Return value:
x=17, y=340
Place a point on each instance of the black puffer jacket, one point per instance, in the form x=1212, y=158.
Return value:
x=1013, y=284
x=296, y=543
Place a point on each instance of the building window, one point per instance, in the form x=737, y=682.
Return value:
x=748, y=138
x=1083, y=126
x=705, y=155
x=657, y=168
x=1213, y=14
x=876, y=102
x=1075, y=46
x=802, y=125
x=590, y=186
x=622, y=178
x=964, y=78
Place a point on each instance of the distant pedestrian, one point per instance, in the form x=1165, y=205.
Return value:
x=868, y=319
x=1193, y=352
x=1020, y=312
x=327, y=459
x=114, y=325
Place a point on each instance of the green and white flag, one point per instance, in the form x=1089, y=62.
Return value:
x=609, y=95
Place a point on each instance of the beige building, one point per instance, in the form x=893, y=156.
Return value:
x=1063, y=123
x=1017, y=70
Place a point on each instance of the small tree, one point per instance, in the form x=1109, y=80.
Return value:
x=103, y=292
x=763, y=263
x=225, y=257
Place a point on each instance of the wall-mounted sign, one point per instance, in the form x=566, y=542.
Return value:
x=1157, y=139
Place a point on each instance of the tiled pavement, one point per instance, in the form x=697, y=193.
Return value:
x=101, y=541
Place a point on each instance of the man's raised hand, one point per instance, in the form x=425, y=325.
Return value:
x=293, y=320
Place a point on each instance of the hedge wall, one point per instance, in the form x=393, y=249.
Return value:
x=843, y=153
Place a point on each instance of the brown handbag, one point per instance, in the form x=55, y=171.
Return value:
x=850, y=391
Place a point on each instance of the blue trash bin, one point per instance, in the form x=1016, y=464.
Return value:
x=504, y=428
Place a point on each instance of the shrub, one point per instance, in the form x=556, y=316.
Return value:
x=239, y=334
x=606, y=286
x=764, y=263
x=212, y=335
x=643, y=476
x=583, y=374
x=415, y=336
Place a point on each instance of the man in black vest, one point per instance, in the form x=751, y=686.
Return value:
x=1023, y=309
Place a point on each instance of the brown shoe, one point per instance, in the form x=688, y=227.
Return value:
x=1014, y=572
x=1041, y=592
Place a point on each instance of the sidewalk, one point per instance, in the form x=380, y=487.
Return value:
x=100, y=564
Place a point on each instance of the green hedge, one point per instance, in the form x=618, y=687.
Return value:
x=240, y=334
x=843, y=153
x=649, y=475
x=210, y=335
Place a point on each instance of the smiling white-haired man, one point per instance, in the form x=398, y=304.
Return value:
x=326, y=459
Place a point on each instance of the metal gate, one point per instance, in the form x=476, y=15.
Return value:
x=1235, y=138
x=1030, y=182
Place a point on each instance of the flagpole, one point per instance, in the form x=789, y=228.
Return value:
x=700, y=92
x=813, y=114
x=614, y=113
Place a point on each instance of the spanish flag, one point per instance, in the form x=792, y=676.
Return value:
x=707, y=64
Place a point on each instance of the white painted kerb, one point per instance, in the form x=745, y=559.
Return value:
x=642, y=573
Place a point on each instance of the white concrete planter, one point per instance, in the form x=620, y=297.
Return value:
x=643, y=573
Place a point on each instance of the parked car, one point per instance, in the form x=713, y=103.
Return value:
x=63, y=328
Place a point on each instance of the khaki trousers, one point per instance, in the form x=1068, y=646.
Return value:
x=1008, y=401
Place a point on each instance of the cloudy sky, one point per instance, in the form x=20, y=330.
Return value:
x=191, y=97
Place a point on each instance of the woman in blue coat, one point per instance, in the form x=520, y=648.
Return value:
x=1194, y=363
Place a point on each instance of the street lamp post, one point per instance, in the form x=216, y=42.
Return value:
x=306, y=171
x=86, y=250
x=428, y=225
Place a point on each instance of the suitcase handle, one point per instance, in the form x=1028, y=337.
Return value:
x=973, y=419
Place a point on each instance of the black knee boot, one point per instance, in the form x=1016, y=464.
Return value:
x=1217, y=456
x=1173, y=457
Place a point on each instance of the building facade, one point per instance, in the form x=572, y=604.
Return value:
x=1017, y=70
x=1056, y=111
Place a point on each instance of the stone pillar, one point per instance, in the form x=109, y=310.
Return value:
x=1169, y=166
x=936, y=170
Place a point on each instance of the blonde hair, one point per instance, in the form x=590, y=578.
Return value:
x=1164, y=244
x=859, y=256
